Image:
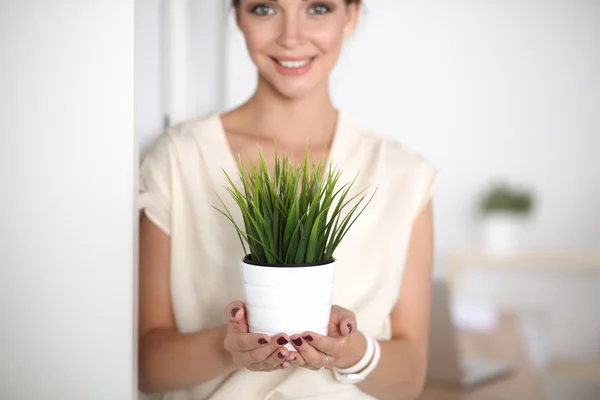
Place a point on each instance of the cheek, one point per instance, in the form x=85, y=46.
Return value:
x=257, y=38
x=330, y=40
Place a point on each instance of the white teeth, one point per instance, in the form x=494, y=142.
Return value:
x=293, y=64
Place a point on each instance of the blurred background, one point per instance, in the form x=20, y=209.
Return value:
x=503, y=97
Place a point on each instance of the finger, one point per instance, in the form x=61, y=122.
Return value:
x=293, y=355
x=340, y=314
x=323, y=344
x=348, y=326
x=275, y=360
x=312, y=357
x=343, y=320
x=235, y=311
x=296, y=359
x=244, y=342
x=262, y=352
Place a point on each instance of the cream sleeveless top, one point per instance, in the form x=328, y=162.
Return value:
x=180, y=178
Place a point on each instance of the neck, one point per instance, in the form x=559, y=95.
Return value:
x=292, y=121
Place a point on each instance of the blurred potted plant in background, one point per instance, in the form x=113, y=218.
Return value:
x=505, y=211
x=292, y=222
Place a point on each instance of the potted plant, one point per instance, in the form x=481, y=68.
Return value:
x=505, y=210
x=292, y=224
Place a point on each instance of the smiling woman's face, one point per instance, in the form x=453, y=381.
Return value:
x=295, y=44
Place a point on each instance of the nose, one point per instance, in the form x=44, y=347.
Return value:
x=290, y=31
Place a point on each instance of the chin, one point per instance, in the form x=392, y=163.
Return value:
x=294, y=93
x=291, y=90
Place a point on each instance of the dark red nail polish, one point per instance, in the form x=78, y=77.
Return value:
x=282, y=341
x=262, y=341
x=280, y=356
x=234, y=311
x=297, y=342
x=308, y=338
x=349, y=327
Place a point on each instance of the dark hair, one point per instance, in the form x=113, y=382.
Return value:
x=236, y=3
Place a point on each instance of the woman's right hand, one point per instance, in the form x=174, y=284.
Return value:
x=256, y=352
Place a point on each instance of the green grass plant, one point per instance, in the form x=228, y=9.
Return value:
x=297, y=216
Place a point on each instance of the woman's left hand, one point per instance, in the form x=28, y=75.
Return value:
x=316, y=351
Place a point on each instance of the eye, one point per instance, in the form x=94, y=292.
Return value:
x=319, y=9
x=262, y=9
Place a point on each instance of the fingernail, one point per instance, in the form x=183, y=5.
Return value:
x=349, y=327
x=280, y=356
x=234, y=311
x=297, y=342
x=262, y=341
x=281, y=341
x=308, y=338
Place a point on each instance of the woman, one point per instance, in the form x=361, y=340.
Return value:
x=193, y=336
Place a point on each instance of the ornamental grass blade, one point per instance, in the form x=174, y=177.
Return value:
x=254, y=231
x=316, y=236
x=262, y=227
x=239, y=231
x=270, y=206
x=290, y=252
x=247, y=207
x=311, y=214
x=305, y=187
x=333, y=223
x=291, y=225
x=335, y=213
x=346, y=228
x=241, y=235
x=267, y=249
x=276, y=217
x=249, y=238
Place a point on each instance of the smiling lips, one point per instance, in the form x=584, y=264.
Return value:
x=293, y=67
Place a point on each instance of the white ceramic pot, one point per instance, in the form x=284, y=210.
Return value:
x=502, y=233
x=288, y=300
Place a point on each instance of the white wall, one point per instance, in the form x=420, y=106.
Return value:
x=485, y=90
x=148, y=58
x=205, y=55
x=208, y=54
x=67, y=167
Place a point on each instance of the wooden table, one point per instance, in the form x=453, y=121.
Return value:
x=456, y=262
x=504, y=345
